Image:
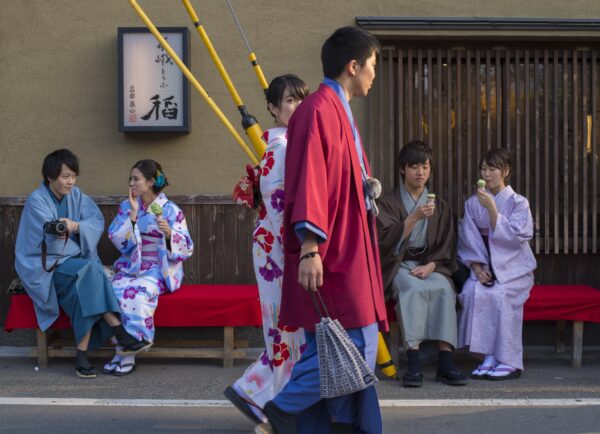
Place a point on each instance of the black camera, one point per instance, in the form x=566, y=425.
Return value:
x=55, y=227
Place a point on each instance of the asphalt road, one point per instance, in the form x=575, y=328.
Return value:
x=185, y=397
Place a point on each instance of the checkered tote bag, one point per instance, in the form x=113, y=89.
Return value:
x=342, y=369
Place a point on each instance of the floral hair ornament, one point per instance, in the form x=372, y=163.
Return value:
x=159, y=179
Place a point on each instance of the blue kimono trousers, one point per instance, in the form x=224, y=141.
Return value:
x=78, y=284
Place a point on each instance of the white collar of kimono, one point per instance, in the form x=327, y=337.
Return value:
x=276, y=134
x=161, y=199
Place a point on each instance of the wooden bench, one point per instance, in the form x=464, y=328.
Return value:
x=562, y=303
x=226, y=306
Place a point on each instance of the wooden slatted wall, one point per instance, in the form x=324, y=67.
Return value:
x=221, y=231
x=538, y=101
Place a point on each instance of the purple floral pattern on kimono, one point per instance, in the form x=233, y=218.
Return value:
x=147, y=267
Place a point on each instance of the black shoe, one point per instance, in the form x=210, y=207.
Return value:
x=83, y=368
x=86, y=373
x=130, y=345
x=452, y=378
x=413, y=377
x=412, y=380
x=241, y=404
x=281, y=422
x=447, y=373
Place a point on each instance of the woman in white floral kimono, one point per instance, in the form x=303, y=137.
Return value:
x=263, y=380
x=151, y=233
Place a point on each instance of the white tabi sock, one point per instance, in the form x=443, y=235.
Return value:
x=502, y=370
x=490, y=361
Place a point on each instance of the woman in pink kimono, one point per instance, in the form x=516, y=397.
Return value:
x=263, y=380
x=493, y=241
x=151, y=233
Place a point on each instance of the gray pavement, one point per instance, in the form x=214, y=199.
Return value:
x=547, y=376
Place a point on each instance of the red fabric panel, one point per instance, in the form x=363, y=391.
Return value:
x=563, y=302
x=22, y=316
x=190, y=306
x=209, y=306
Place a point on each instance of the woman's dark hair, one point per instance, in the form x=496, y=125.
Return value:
x=278, y=85
x=54, y=161
x=414, y=152
x=152, y=170
x=347, y=44
x=499, y=158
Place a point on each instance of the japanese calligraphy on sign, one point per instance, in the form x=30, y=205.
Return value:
x=153, y=92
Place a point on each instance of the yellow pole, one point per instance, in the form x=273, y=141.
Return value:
x=258, y=71
x=184, y=69
x=249, y=122
x=253, y=60
x=384, y=359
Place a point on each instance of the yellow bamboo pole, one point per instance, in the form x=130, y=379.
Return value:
x=252, y=57
x=249, y=122
x=184, y=69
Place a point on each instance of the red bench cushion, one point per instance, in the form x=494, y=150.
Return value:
x=563, y=302
x=551, y=303
x=190, y=306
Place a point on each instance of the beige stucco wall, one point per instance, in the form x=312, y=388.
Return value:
x=58, y=79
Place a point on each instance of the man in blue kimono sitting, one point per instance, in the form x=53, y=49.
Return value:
x=57, y=261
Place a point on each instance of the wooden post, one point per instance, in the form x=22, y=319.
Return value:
x=228, y=340
x=42, y=348
x=561, y=337
x=577, y=344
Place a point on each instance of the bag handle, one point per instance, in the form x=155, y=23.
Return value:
x=318, y=305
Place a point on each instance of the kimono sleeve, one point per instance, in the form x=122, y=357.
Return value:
x=471, y=248
x=390, y=228
x=121, y=231
x=181, y=243
x=271, y=183
x=36, y=281
x=444, y=251
x=514, y=229
x=91, y=227
x=306, y=171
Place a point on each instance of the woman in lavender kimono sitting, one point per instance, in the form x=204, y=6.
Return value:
x=66, y=272
x=151, y=233
x=494, y=243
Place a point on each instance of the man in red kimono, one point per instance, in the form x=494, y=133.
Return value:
x=330, y=242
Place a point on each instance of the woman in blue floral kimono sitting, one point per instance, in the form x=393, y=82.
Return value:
x=151, y=233
x=60, y=268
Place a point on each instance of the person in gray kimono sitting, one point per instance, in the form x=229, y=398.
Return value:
x=57, y=261
x=417, y=244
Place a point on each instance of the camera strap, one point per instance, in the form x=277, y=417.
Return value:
x=45, y=252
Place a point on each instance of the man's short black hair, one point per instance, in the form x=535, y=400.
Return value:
x=347, y=44
x=414, y=152
x=54, y=161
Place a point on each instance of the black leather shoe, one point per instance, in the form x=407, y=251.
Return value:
x=280, y=421
x=452, y=378
x=412, y=380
